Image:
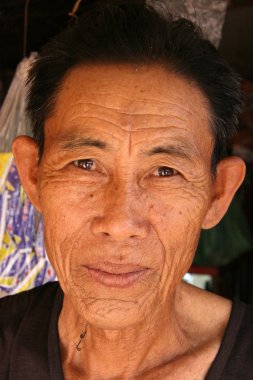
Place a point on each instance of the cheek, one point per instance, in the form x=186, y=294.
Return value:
x=177, y=219
x=179, y=210
x=66, y=212
x=66, y=202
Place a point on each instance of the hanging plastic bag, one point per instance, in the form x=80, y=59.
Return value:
x=13, y=121
x=23, y=260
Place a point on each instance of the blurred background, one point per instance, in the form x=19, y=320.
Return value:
x=224, y=259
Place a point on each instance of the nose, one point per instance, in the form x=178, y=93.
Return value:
x=122, y=217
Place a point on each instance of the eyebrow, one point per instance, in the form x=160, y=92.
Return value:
x=70, y=143
x=172, y=150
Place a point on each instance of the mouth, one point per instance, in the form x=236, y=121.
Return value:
x=116, y=275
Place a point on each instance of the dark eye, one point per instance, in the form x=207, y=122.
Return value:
x=165, y=171
x=86, y=164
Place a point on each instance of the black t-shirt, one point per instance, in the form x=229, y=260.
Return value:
x=29, y=342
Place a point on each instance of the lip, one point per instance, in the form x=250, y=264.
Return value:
x=116, y=275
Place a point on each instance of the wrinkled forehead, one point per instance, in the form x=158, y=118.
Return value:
x=147, y=99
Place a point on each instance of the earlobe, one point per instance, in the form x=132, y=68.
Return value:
x=230, y=174
x=25, y=151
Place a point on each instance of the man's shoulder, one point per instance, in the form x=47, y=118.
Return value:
x=24, y=326
x=27, y=296
x=15, y=308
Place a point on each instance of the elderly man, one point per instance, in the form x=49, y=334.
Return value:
x=131, y=117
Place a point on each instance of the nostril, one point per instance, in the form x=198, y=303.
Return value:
x=119, y=227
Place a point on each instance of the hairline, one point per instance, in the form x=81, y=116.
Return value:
x=162, y=63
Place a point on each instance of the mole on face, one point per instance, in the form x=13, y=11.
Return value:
x=91, y=195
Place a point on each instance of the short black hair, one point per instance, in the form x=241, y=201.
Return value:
x=133, y=32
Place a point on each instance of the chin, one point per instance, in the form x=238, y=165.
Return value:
x=113, y=308
x=112, y=314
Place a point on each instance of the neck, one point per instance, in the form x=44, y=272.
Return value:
x=107, y=354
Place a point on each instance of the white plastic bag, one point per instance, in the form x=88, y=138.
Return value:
x=13, y=121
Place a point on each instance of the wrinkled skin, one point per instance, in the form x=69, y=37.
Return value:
x=149, y=220
x=120, y=208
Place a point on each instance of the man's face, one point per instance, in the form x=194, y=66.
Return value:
x=124, y=186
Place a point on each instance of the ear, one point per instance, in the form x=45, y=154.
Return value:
x=25, y=151
x=229, y=176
